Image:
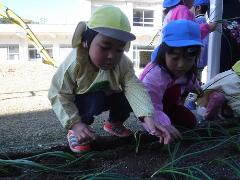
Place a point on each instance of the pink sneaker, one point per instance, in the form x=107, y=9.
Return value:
x=117, y=130
x=75, y=146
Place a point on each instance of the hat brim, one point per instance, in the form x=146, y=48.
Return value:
x=116, y=34
x=183, y=43
x=167, y=4
x=201, y=4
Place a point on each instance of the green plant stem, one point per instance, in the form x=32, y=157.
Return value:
x=194, y=153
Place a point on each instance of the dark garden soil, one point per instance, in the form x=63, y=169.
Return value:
x=215, y=158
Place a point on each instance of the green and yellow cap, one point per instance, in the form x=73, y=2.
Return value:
x=112, y=22
x=236, y=67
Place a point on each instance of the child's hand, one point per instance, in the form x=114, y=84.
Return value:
x=212, y=26
x=166, y=134
x=83, y=132
x=216, y=100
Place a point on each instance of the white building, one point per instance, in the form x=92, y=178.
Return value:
x=144, y=16
x=15, y=46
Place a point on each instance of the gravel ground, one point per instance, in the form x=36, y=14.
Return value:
x=28, y=124
x=27, y=121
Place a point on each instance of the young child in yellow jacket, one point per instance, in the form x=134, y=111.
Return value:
x=96, y=77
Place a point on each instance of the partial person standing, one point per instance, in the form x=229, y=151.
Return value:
x=180, y=9
x=201, y=8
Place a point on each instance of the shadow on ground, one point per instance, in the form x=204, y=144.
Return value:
x=40, y=131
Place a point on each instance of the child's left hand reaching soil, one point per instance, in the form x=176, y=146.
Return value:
x=166, y=134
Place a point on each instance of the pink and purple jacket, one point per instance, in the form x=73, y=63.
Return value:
x=156, y=80
x=182, y=12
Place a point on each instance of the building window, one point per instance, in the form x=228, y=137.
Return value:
x=10, y=51
x=143, y=17
x=49, y=49
x=34, y=54
x=65, y=46
x=65, y=49
x=141, y=55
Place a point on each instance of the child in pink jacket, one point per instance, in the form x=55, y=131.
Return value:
x=173, y=74
x=179, y=9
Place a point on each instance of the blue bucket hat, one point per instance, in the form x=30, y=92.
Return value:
x=154, y=54
x=182, y=33
x=201, y=2
x=170, y=3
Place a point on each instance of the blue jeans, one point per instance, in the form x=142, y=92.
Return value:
x=94, y=103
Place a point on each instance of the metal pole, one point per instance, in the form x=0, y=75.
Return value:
x=214, y=46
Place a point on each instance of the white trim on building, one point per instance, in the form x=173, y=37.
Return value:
x=51, y=36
